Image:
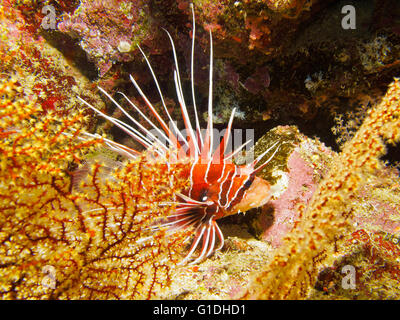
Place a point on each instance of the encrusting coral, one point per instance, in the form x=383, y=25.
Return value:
x=109, y=30
x=294, y=269
x=58, y=242
x=45, y=73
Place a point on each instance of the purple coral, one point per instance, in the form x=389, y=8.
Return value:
x=259, y=81
x=300, y=189
x=108, y=30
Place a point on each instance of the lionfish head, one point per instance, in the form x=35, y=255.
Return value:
x=255, y=196
x=227, y=188
x=218, y=187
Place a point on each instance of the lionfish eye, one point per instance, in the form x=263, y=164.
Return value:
x=203, y=195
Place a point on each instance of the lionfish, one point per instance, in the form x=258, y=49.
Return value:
x=218, y=187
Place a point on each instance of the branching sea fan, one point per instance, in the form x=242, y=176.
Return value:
x=87, y=243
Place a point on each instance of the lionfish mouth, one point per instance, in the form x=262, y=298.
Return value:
x=257, y=195
x=226, y=188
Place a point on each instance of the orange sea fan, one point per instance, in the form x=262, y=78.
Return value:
x=59, y=243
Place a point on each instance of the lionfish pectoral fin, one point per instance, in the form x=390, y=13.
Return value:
x=181, y=219
x=206, y=232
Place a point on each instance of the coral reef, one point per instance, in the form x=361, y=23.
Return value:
x=253, y=24
x=86, y=242
x=225, y=274
x=327, y=216
x=294, y=175
x=315, y=69
x=41, y=70
x=372, y=249
x=374, y=256
x=75, y=218
x=108, y=30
